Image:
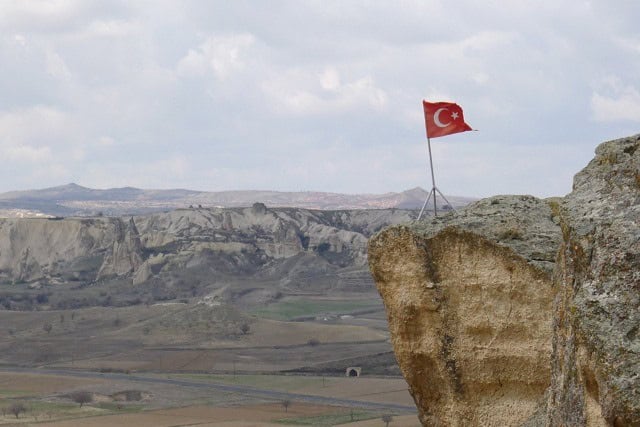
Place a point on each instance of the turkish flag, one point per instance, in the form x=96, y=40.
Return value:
x=443, y=118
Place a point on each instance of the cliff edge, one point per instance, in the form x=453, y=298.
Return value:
x=517, y=311
x=596, y=344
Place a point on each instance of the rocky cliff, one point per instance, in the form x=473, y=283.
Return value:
x=469, y=306
x=596, y=344
x=252, y=253
x=518, y=311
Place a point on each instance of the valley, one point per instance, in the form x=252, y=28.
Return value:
x=277, y=300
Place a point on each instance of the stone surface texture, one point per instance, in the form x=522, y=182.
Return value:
x=516, y=311
x=596, y=357
x=469, y=306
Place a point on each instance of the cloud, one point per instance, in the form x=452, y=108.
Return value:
x=55, y=16
x=222, y=55
x=110, y=28
x=300, y=91
x=623, y=104
x=34, y=125
x=56, y=67
x=105, y=141
x=25, y=153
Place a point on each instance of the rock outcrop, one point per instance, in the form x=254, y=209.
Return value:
x=523, y=312
x=596, y=342
x=125, y=254
x=54, y=250
x=189, y=252
x=469, y=305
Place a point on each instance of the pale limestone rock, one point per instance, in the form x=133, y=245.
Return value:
x=33, y=249
x=125, y=254
x=470, y=313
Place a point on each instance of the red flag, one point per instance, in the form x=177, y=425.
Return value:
x=443, y=118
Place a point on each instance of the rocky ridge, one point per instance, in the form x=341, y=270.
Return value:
x=523, y=312
x=251, y=253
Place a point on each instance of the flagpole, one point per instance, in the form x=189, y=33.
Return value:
x=433, y=190
x=440, y=129
x=433, y=178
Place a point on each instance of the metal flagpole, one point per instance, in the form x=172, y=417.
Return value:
x=433, y=188
x=433, y=178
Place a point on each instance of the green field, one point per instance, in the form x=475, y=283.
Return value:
x=293, y=309
x=343, y=417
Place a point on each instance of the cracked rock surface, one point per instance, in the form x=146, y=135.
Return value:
x=469, y=305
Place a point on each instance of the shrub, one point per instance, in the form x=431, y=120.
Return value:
x=82, y=397
x=17, y=408
x=245, y=328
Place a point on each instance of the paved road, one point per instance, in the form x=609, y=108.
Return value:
x=226, y=388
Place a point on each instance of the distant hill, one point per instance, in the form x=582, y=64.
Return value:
x=75, y=200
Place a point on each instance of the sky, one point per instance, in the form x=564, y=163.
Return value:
x=306, y=95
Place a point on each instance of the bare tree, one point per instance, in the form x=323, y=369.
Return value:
x=285, y=404
x=47, y=327
x=82, y=397
x=386, y=419
x=17, y=408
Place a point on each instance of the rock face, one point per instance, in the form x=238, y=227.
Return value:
x=125, y=254
x=190, y=252
x=470, y=312
x=489, y=330
x=55, y=250
x=596, y=342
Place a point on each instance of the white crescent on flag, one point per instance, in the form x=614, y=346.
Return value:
x=436, y=118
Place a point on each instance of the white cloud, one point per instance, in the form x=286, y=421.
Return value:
x=484, y=40
x=330, y=79
x=299, y=91
x=26, y=153
x=43, y=9
x=34, y=125
x=111, y=28
x=106, y=141
x=623, y=105
x=20, y=40
x=223, y=55
x=56, y=67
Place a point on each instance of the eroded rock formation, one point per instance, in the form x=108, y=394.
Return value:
x=596, y=357
x=518, y=311
x=470, y=311
x=254, y=253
